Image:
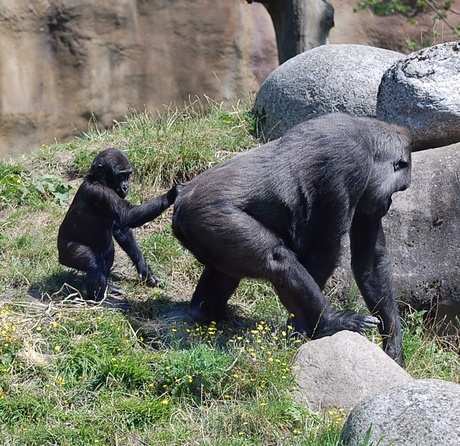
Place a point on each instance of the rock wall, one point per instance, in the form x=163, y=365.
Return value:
x=63, y=60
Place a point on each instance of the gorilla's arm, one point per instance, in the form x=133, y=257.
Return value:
x=134, y=216
x=373, y=273
x=125, y=238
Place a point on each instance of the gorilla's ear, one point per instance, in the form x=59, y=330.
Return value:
x=99, y=173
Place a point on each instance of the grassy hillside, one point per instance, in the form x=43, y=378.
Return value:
x=74, y=374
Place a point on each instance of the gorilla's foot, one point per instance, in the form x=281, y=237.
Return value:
x=112, y=288
x=206, y=313
x=337, y=321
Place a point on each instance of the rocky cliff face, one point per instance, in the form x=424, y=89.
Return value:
x=63, y=60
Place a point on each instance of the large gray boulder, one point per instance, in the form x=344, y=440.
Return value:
x=414, y=413
x=422, y=93
x=339, y=371
x=422, y=229
x=329, y=78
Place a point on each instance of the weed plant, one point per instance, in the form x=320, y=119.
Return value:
x=75, y=374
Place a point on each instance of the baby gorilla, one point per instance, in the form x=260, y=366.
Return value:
x=100, y=212
x=279, y=211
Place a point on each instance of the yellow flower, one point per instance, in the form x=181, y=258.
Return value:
x=60, y=381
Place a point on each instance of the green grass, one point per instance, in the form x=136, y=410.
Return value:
x=74, y=374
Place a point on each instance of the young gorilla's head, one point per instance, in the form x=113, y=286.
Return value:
x=112, y=168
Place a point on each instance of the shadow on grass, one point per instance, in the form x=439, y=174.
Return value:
x=69, y=286
x=161, y=320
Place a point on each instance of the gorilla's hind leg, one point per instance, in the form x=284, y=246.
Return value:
x=214, y=289
x=96, y=284
x=97, y=274
x=303, y=298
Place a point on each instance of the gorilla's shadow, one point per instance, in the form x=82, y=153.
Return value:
x=57, y=286
x=160, y=320
x=164, y=321
x=66, y=286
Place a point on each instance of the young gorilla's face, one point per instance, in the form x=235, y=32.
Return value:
x=121, y=183
x=114, y=170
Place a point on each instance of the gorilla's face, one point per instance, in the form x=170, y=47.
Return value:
x=390, y=173
x=113, y=169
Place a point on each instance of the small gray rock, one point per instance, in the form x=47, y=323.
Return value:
x=421, y=92
x=329, y=78
x=413, y=413
x=338, y=371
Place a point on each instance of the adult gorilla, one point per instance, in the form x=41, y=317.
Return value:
x=99, y=212
x=279, y=212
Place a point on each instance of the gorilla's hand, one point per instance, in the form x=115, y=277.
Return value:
x=172, y=194
x=146, y=276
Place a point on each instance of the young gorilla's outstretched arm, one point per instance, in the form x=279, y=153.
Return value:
x=134, y=216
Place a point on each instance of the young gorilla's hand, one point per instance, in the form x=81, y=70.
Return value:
x=173, y=193
x=146, y=276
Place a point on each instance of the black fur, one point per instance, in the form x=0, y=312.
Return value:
x=279, y=212
x=100, y=212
